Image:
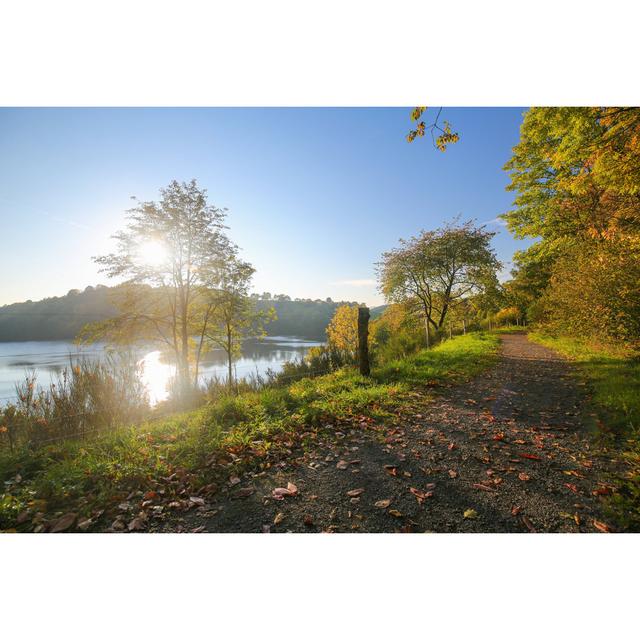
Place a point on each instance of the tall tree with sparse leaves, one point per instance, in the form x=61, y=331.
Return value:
x=169, y=252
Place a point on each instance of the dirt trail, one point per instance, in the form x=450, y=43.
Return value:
x=510, y=448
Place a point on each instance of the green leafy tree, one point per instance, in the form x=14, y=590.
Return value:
x=438, y=269
x=576, y=175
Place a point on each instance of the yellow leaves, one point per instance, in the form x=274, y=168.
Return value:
x=342, y=332
x=470, y=514
x=417, y=112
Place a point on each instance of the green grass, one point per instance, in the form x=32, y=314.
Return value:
x=511, y=329
x=207, y=445
x=614, y=377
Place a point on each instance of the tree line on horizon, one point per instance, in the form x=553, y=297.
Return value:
x=62, y=317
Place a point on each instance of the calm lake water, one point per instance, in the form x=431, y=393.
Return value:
x=48, y=359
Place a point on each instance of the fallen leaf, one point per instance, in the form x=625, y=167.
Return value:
x=499, y=436
x=233, y=480
x=382, y=504
x=150, y=495
x=63, y=523
x=137, y=524
x=529, y=456
x=245, y=492
x=342, y=464
x=571, y=487
x=84, y=524
x=573, y=472
x=515, y=510
x=279, y=493
x=354, y=493
x=483, y=487
x=601, y=526
x=453, y=473
x=524, y=476
x=308, y=520
x=279, y=518
x=471, y=514
x=452, y=446
x=421, y=496
x=197, y=500
x=395, y=513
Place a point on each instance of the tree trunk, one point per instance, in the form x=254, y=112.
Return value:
x=426, y=331
x=363, y=340
x=229, y=359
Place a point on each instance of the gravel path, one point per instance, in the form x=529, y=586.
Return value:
x=509, y=451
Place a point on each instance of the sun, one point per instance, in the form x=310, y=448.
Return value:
x=152, y=253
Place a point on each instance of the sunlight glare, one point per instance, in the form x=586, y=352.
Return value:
x=152, y=253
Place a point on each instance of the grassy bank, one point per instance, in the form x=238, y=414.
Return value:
x=171, y=463
x=614, y=377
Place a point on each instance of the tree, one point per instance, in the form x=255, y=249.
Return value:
x=342, y=332
x=169, y=252
x=437, y=269
x=576, y=174
x=228, y=314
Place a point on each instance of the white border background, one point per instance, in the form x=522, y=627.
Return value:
x=295, y=53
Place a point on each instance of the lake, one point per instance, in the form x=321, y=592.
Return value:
x=48, y=359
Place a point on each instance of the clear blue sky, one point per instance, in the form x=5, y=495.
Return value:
x=314, y=195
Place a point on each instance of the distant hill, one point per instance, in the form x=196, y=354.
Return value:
x=61, y=318
x=58, y=318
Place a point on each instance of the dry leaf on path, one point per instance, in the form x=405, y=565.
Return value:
x=63, y=523
x=601, y=526
x=483, y=487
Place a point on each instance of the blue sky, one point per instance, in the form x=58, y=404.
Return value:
x=314, y=195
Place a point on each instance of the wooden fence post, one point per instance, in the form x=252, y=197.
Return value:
x=363, y=340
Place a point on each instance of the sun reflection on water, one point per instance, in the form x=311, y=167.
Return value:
x=156, y=376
